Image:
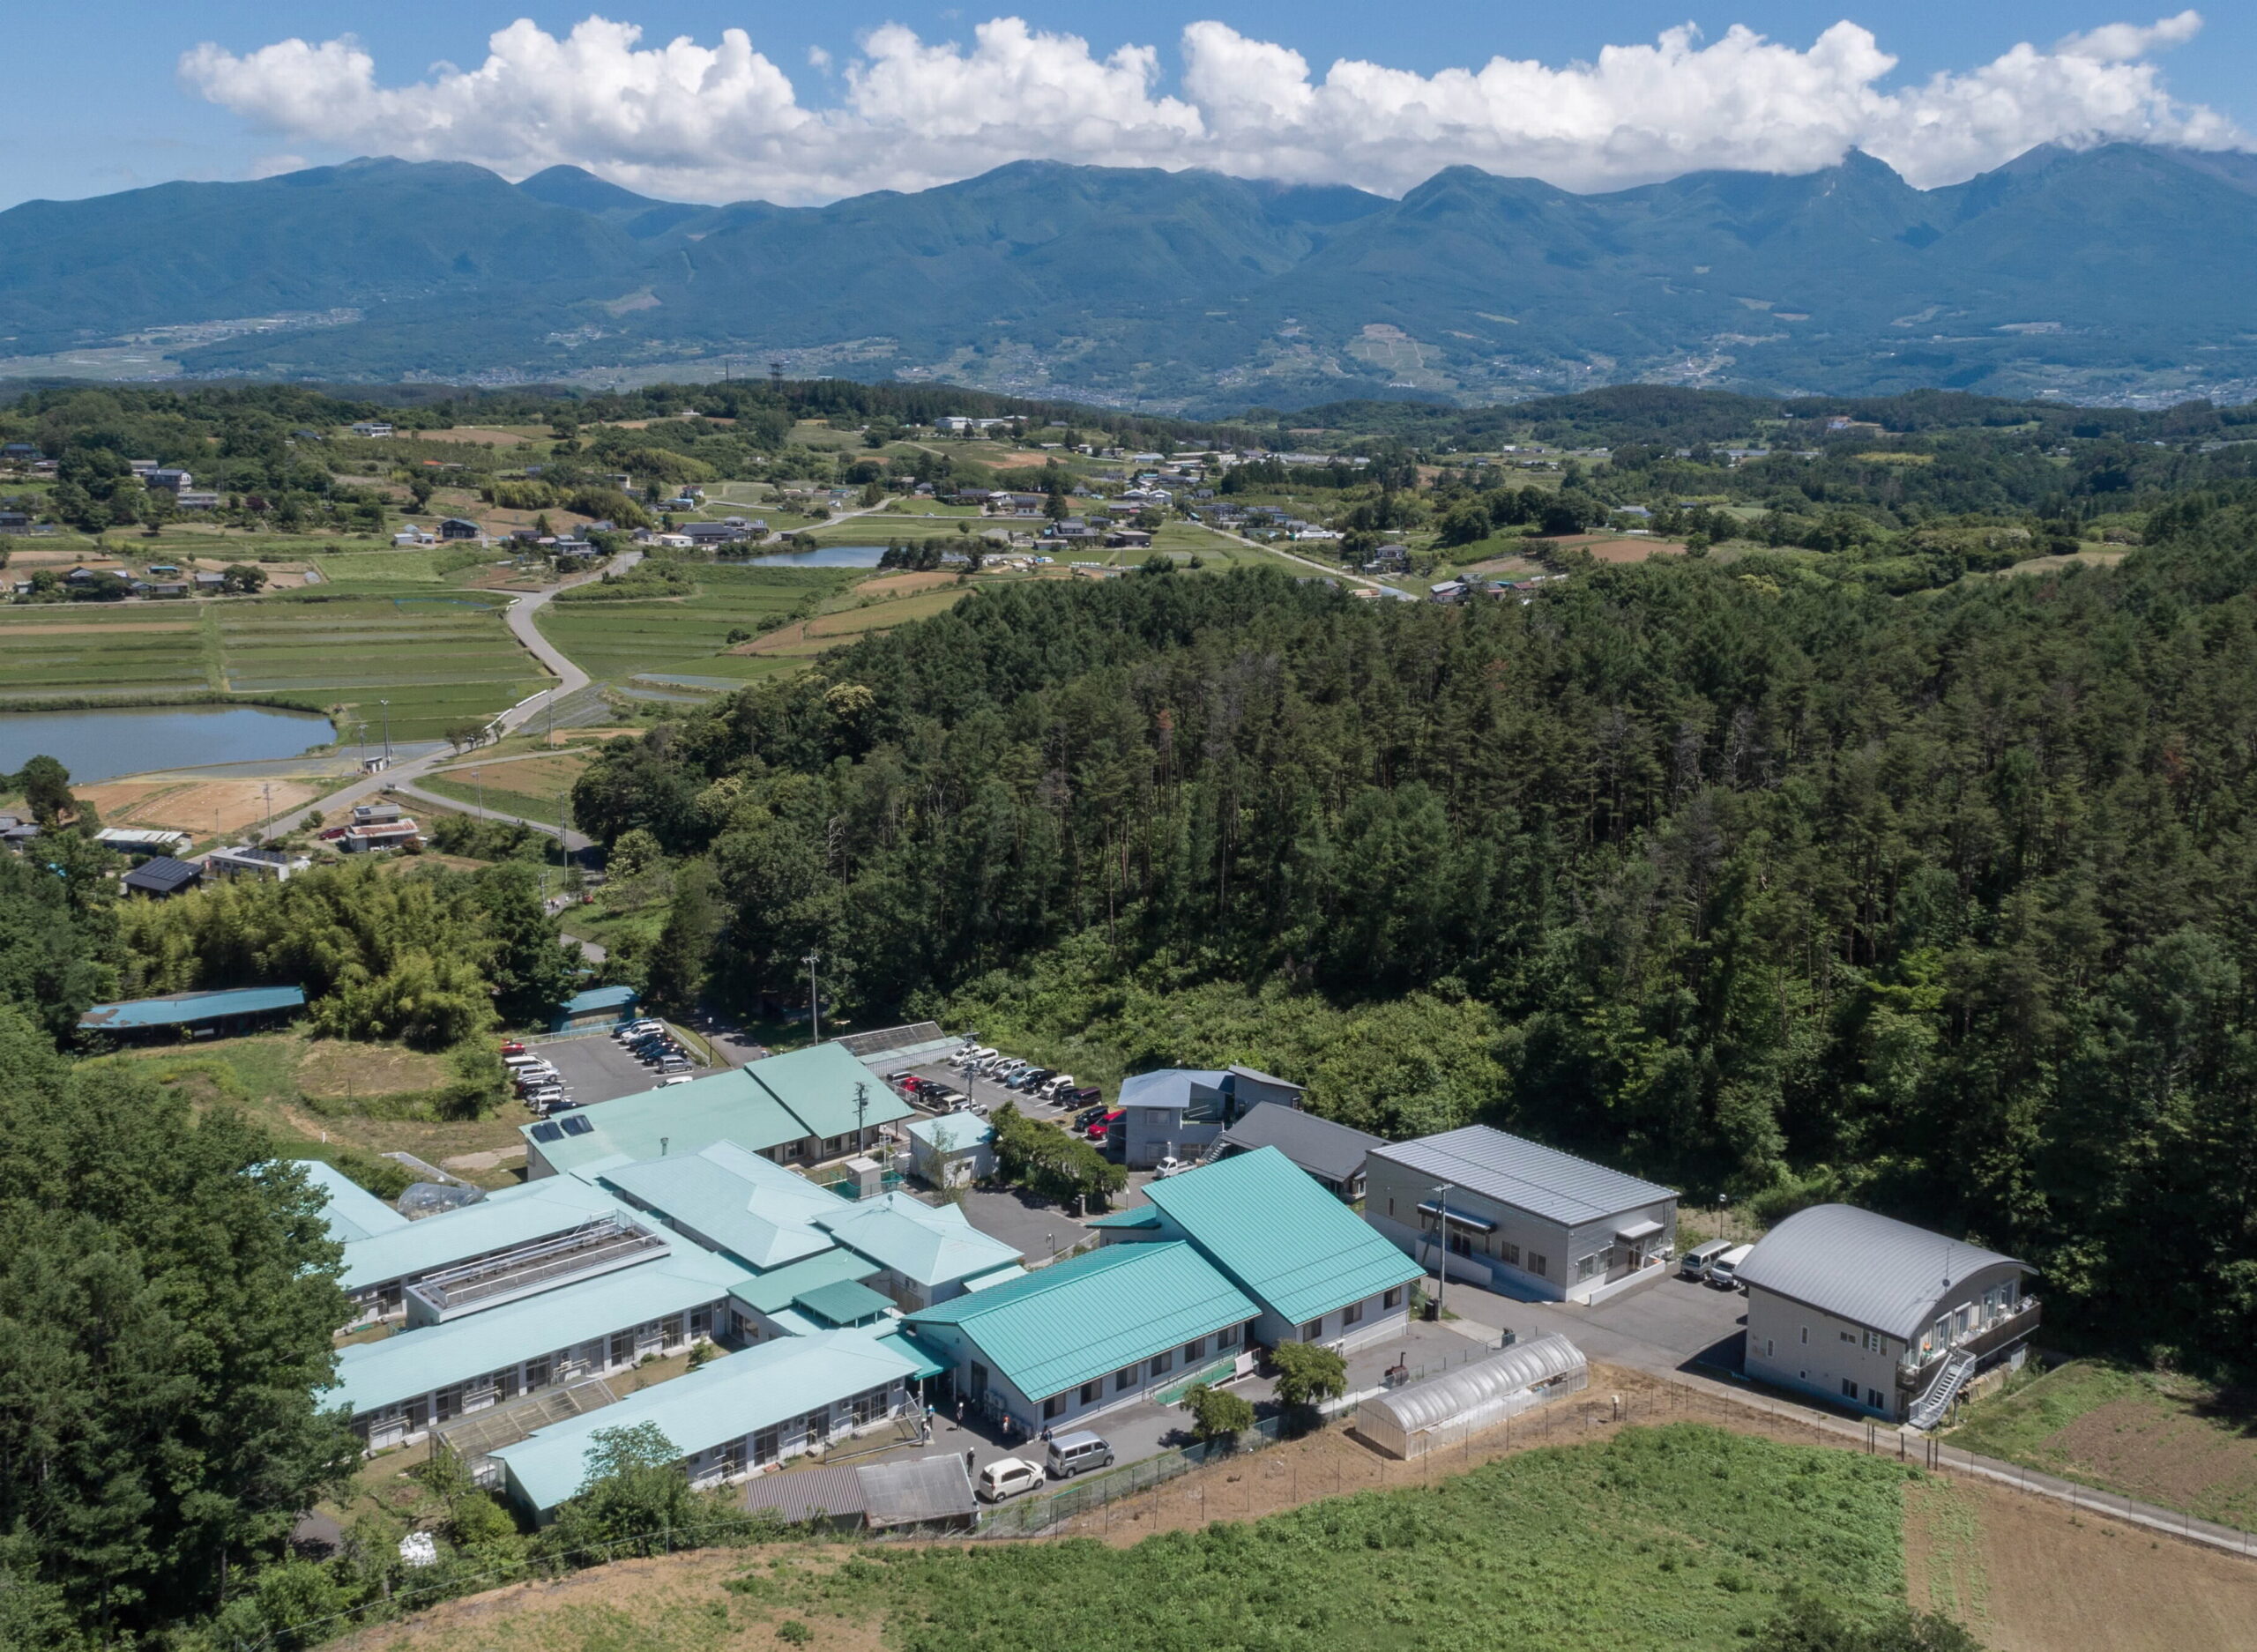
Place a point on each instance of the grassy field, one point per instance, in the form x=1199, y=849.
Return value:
x=686, y=636
x=51, y=652
x=2160, y=1439
x=888, y=602
x=527, y=787
x=438, y=660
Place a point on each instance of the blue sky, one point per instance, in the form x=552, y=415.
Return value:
x=97, y=101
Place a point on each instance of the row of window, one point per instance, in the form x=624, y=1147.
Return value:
x=1128, y=1377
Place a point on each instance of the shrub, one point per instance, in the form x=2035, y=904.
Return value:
x=1216, y=1415
x=1308, y=1374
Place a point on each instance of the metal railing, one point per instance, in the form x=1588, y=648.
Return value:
x=604, y=1244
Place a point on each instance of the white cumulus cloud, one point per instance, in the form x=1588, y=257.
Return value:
x=724, y=122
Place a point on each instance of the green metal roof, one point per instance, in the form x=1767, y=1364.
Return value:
x=1093, y=1314
x=597, y=998
x=1279, y=1235
x=351, y=1211
x=909, y=1348
x=514, y=1216
x=932, y=1245
x=409, y=1363
x=727, y=1399
x=953, y=1132
x=749, y=1206
x=758, y=1106
x=1142, y=1215
x=844, y=1302
x=183, y=1008
x=773, y=1292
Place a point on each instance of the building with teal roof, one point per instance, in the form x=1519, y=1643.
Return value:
x=1102, y=1329
x=926, y=1253
x=382, y=1268
x=804, y=1108
x=953, y=1150
x=397, y=1387
x=351, y=1211
x=1319, y=1272
x=736, y=1415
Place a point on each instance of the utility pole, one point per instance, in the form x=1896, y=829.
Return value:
x=386, y=706
x=552, y=714
x=481, y=785
x=267, y=821
x=815, y=1003
x=1441, y=1262
x=364, y=725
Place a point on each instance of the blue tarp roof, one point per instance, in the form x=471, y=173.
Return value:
x=600, y=998
x=179, y=1008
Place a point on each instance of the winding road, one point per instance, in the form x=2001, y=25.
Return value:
x=401, y=776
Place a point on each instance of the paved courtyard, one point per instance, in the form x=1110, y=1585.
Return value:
x=1670, y=1325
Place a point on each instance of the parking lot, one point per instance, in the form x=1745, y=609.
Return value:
x=596, y=1068
x=986, y=1093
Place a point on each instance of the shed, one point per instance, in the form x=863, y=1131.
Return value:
x=1443, y=1411
x=954, y=1149
x=922, y=1492
x=597, y=1007
x=230, y=1010
x=832, y=1496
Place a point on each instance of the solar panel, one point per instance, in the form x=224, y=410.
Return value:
x=577, y=1124
x=547, y=1132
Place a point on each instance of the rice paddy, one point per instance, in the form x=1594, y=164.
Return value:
x=679, y=638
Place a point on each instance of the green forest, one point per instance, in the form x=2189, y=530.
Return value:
x=1754, y=879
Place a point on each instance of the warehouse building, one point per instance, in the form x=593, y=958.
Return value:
x=1317, y=1273
x=1879, y=1315
x=1522, y=1218
x=804, y=1108
x=1082, y=1336
x=736, y=1415
x=196, y=1015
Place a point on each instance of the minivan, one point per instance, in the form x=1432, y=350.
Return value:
x=1724, y=1273
x=1694, y=1263
x=1007, y=1477
x=1078, y=1453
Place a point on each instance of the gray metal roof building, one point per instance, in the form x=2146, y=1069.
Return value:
x=1872, y=1271
x=1332, y=1153
x=1525, y=1174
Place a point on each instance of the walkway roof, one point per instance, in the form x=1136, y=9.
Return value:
x=502, y=1221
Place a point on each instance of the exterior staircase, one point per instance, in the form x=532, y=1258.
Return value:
x=1943, y=1387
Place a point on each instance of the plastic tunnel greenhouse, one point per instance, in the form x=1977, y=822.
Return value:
x=1413, y=1421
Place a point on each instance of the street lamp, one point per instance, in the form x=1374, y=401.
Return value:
x=815, y=1003
x=1441, y=1191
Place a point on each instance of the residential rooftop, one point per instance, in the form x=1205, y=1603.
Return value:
x=1527, y=1175
x=1317, y=1145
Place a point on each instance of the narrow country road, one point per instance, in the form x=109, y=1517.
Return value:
x=573, y=841
x=401, y=775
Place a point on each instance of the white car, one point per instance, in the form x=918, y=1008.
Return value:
x=1168, y=1167
x=1007, y=1477
x=671, y=1080
x=1052, y=1089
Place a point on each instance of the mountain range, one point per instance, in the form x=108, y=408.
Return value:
x=2116, y=274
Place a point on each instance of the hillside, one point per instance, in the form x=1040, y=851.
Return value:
x=2108, y=275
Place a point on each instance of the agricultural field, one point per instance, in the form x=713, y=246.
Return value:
x=895, y=600
x=202, y=809
x=686, y=639
x=70, y=649
x=438, y=659
x=2165, y=1439
x=527, y=787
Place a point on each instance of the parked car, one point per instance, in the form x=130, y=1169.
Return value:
x=1724, y=1273
x=1078, y=1453
x=1169, y=1166
x=1007, y=1477
x=332, y=834
x=1058, y=1088
x=1026, y=1078
x=972, y=1056
x=1087, y=1096
x=1694, y=1263
x=672, y=1079
x=512, y=1047
x=1087, y=1116
x=627, y=1030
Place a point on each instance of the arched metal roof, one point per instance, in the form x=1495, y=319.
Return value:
x=1869, y=1269
x=1442, y=1399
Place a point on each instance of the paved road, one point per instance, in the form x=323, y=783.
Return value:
x=402, y=774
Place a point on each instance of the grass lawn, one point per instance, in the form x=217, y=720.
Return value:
x=2163, y=1439
x=686, y=636
x=527, y=787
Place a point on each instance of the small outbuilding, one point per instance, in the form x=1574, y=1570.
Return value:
x=597, y=1007
x=954, y=1149
x=196, y=1015
x=1410, y=1422
x=1332, y=1153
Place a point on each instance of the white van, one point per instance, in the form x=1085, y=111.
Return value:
x=1007, y=1477
x=1724, y=1273
x=1694, y=1263
x=1078, y=1453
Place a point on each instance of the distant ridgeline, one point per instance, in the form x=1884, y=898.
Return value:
x=2098, y=276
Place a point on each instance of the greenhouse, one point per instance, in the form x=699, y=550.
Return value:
x=1413, y=1421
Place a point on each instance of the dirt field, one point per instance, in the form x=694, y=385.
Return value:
x=482, y=435
x=543, y=776
x=828, y=630
x=196, y=806
x=338, y=1069
x=1616, y=550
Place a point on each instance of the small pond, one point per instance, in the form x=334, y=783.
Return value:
x=103, y=744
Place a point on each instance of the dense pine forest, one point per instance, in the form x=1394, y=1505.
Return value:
x=1742, y=875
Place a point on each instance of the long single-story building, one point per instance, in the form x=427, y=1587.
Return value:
x=1332, y=1153
x=1523, y=1218
x=1079, y=1338
x=595, y=1006
x=737, y=1415
x=352, y=1211
x=399, y=1387
x=806, y=1107
x=551, y=1230
x=1317, y=1274
x=196, y=1015
x=1177, y=1111
x=1879, y=1315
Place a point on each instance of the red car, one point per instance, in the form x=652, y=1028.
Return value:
x=1106, y=1126
x=334, y=833
x=513, y=1048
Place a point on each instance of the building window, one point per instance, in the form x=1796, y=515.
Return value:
x=1850, y=1388
x=670, y=1330
x=1393, y=1298
x=1226, y=1337
x=1874, y=1399
x=1311, y=1331
x=1768, y=1348
x=1806, y=1334
x=733, y=1456
x=1460, y=1244
x=1124, y=1379
x=1390, y=1206
x=1195, y=1350
x=1352, y=1314
x=764, y=1444
x=448, y=1402
x=701, y=1321
x=1055, y=1406
x=832, y=1143
x=791, y=1150
x=1586, y=1266
x=1848, y=1336
x=1162, y=1364
x=1091, y=1392
x=536, y=1372
x=1511, y=1253
x=622, y=1348
x=1540, y=1264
